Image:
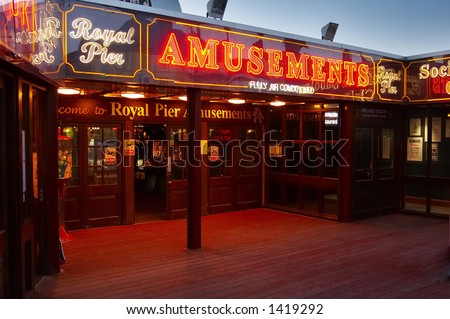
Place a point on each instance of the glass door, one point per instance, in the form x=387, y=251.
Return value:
x=234, y=169
x=375, y=181
x=94, y=192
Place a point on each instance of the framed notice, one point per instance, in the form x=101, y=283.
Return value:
x=414, y=149
x=435, y=152
x=414, y=127
x=436, y=132
x=447, y=128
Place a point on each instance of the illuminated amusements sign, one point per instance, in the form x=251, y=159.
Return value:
x=104, y=42
x=218, y=57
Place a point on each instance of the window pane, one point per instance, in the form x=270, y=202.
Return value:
x=273, y=194
x=330, y=202
x=95, y=175
x=310, y=199
x=311, y=158
x=292, y=196
x=415, y=197
x=293, y=126
x=110, y=175
x=333, y=161
x=110, y=133
x=386, y=154
x=363, y=151
x=293, y=159
x=311, y=125
x=94, y=136
x=331, y=125
x=440, y=200
x=75, y=177
x=275, y=125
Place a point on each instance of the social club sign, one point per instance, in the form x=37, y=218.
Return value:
x=429, y=80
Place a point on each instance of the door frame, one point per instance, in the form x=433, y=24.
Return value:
x=370, y=190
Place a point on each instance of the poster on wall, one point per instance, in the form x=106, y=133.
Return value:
x=414, y=127
x=435, y=152
x=387, y=142
x=436, y=130
x=414, y=149
x=129, y=147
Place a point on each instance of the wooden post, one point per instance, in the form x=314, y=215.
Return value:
x=194, y=171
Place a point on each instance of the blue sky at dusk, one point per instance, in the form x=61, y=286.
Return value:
x=401, y=27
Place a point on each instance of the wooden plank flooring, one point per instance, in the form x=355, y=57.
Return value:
x=259, y=253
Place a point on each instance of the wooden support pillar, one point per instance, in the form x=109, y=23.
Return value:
x=194, y=170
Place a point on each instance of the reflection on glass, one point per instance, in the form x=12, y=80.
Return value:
x=363, y=152
x=293, y=159
x=102, y=155
x=440, y=200
x=310, y=199
x=415, y=197
x=273, y=195
x=312, y=158
x=330, y=202
x=292, y=196
x=333, y=161
x=293, y=126
x=385, y=167
x=178, y=149
x=72, y=132
x=311, y=125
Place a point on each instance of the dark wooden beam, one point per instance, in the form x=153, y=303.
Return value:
x=194, y=237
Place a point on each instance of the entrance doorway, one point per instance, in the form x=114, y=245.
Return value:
x=234, y=165
x=150, y=178
x=375, y=188
x=94, y=193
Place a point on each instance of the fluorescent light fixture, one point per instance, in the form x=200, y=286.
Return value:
x=182, y=97
x=277, y=103
x=68, y=91
x=132, y=95
x=236, y=101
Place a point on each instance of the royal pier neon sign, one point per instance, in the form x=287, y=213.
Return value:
x=235, y=57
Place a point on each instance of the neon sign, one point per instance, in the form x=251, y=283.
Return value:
x=192, y=54
x=429, y=80
x=386, y=78
x=236, y=57
x=91, y=49
x=103, y=42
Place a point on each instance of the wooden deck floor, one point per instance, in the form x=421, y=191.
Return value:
x=259, y=253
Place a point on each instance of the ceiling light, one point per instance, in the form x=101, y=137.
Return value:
x=182, y=97
x=277, y=103
x=132, y=95
x=68, y=91
x=236, y=101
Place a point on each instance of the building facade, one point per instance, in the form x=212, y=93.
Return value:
x=177, y=116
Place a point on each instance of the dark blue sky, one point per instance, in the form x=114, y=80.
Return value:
x=402, y=27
